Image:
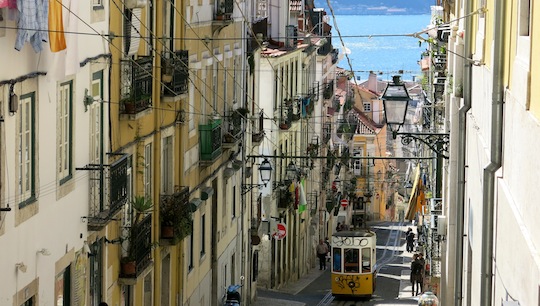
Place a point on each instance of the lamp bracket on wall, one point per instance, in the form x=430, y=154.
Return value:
x=438, y=142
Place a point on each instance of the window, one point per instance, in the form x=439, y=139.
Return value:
x=65, y=122
x=190, y=252
x=191, y=118
x=97, y=4
x=366, y=260
x=367, y=107
x=524, y=17
x=336, y=257
x=233, y=209
x=225, y=78
x=167, y=183
x=351, y=261
x=203, y=235
x=96, y=118
x=95, y=273
x=165, y=281
x=148, y=170
x=26, y=149
x=233, y=268
x=62, y=286
x=147, y=287
x=214, y=85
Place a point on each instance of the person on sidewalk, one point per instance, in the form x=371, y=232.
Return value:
x=409, y=236
x=322, y=249
x=327, y=242
x=417, y=277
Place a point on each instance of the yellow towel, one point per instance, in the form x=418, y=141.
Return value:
x=56, y=26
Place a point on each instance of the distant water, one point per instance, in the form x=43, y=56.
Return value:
x=385, y=55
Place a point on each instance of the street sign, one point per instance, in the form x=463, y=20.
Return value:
x=281, y=231
x=344, y=203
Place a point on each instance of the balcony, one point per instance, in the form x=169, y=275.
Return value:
x=326, y=48
x=136, y=90
x=210, y=141
x=285, y=199
x=108, y=192
x=233, y=127
x=141, y=241
x=175, y=73
x=175, y=216
x=224, y=10
x=286, y=116
x=328, y=91
x=258, y=132
x=335, y=55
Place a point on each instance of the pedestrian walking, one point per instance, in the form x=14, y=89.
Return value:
x=409, y=236
x=322, y=249
x=417, y=277
x=327, y=242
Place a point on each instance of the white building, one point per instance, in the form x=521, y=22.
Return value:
x=54, y=111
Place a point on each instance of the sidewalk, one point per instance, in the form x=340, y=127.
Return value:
x=291, y=288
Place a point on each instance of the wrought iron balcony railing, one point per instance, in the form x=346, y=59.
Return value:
x=108, y=191
x=175, y=215
x=286, y=116
x=175, y=72
x=136, y=90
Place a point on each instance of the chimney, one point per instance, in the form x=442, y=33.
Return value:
x=372, y=82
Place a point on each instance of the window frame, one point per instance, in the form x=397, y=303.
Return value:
x=65, y=141
x=28, y=196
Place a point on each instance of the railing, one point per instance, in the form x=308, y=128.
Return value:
x=210, y=140
x=224, y=9
x=335, y=56
x=175, y=213
x=142, y=240
x=326, y=48
x=108, y=192
x=286, y=116
x=258, y=134
x=175, y=72
x=328, y=92
x=136, y=90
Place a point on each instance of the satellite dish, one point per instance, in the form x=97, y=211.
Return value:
x=346, y=50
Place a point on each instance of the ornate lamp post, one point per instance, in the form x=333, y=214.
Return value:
x=265, y=171
x=395, y=103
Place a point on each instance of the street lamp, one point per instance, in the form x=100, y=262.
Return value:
x=395, y=103
x=265, y=171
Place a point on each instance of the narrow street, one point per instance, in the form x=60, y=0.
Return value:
x=393, y=286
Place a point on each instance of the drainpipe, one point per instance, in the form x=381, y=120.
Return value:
x=488, y=194
x=462, y=148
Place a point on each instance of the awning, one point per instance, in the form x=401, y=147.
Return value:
x=417, y=199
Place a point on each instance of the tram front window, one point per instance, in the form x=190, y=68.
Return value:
x=336, y=255
x=366, y=260
x=351, y=263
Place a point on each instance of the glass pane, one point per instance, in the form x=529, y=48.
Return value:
x=351, y=260
x=366, y=260
x=336, y=257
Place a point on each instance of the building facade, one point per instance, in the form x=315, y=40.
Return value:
x=492, y=110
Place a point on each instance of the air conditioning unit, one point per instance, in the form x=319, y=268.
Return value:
x=131, y=4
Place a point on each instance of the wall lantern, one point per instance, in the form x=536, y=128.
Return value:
x=395, y=102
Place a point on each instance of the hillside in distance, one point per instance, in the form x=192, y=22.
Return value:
x=377, y=7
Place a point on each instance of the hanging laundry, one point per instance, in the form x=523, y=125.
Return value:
x=32, y=24
x=56, y=26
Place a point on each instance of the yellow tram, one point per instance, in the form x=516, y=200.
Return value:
x=353, y=256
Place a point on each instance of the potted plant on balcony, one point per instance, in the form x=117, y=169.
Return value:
x=141, y=205
x=169, y=214
x=220, y=14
